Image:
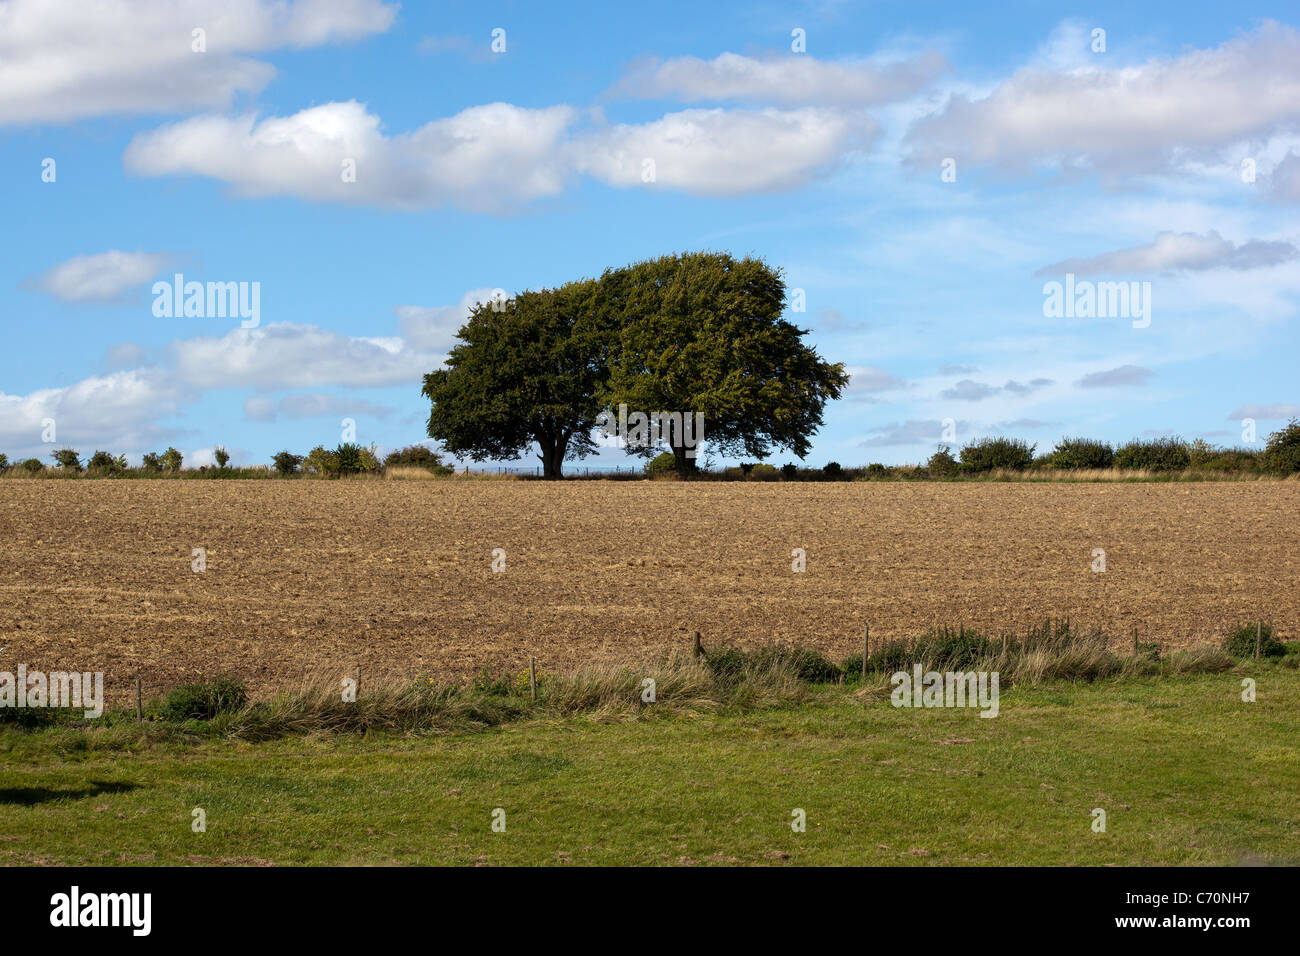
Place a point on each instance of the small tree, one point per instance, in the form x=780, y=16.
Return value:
x=321, y=461
x=32, y=466
x=4, y=461
x=221, y=455
x=286, y=462
x=172, y=460
x=151, y=462
x=67, y=459
x=942, y=464
x=103, y=463
x=417, y=456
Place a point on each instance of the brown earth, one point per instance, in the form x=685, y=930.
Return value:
x=313, y=577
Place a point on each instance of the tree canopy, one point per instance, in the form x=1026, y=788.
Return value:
x=688, y=334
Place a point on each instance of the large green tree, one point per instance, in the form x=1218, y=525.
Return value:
x=525, y=370
x=703, y=332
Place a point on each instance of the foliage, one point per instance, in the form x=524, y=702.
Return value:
x=286, y=462
x=417, y=456
x=221, y=455
x=204, y=700
x=526, y=370
x=172, y=459
x=986, y=454
x=32, y=466
x=1282, y=453
x=703, y=333
x=1156, y=454
x=661, y=464
x=151, y=462
x=321, y=461
x=832, y=469
x=1240, y=642
x=353, y=459
x=1082, y=453
x=940, y=465
x=67, y=459
x=103, y=463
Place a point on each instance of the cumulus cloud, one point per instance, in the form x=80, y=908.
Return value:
x=1116, y=377
x=722, y=152
x=101, y=277
x=795, y=80
x=1124, y=119
x=1182, y=251
x=291, y=355
x=491, y=158
x=62, y=60
x=914, y=431
x=484, y=158
x=1278, y=410
x=118, y=410
x=434, y=328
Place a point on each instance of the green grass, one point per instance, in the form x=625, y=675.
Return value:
x=1187, y=772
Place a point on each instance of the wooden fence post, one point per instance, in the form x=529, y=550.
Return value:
x=1259, y=637
x=532, y=677
x=866, y=648
x=698, y=649
x=139, y=705
x=357, y=690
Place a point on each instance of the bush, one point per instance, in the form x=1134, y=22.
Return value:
x=730, y=664
x=832, y=469
x=941, y=463
x=417, y=456
x=32, y=466
x=172, y=460
x=354, y=459
x=4, y=461
x=746, y=467
x=151, y=462
x=1282, y=453
x=1240, y=642
x=103, y=463
x=221, y=455
x=321, y=461
x=204, y=700
x=286, y=462
x=987, y=454
x=1157, y=454
x=663, y=464
x=790, y=470
x=1082, y=453
x=67, y=459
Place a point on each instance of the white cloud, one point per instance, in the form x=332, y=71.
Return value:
x=868, y=378
x=1180, y=251
x=260, y=408
x=484, y=158
x=62, y=60
x=1285, y=179
x=793, y=80
x=116, y=410
x=101, y=277
x=1282, y=410
x=1143, y=118
x=434, y=328
x=289, y=355
x=725, y=152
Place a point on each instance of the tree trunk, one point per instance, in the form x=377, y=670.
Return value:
x=552, y=457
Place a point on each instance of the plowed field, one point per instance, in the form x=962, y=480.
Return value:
x=309, y=577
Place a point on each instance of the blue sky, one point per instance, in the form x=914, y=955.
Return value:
x=1171, y=157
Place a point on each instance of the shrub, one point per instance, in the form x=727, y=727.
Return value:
x=418, y=456
x=987, y=454
x=286, y=462
x=941, y=463
x=103, y=463
x=663, y=464
x=1240, y=642
x=172, y=459
x=67, y=459
x=1282, y=453
x=151, y=462
x=832, y=469
x=204, y=700
x=221, y=455
x=321, y=461
x=764, y=471
x=876, y=470
x=1082, y=453
x=1156, y=454
x=32, y=466
x=4, y=461
x=790, y=470
x=746, y=467
x=354, y=459
x=730, y=665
